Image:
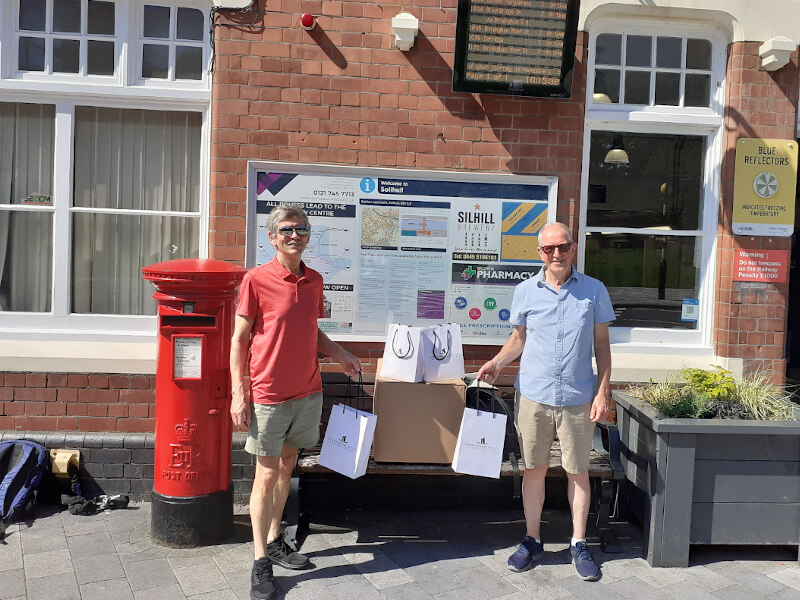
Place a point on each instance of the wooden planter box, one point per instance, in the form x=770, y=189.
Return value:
x=708, y=481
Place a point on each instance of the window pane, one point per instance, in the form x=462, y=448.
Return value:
x=698, y=54
x=668, y=52
x=647, y=276
x=190, y=24
x=31, y=54
x=100, y=18
x=668, y=89
x=26, y=153
x=66, y=56
x=155, y=61
x=188, y=62
x=637, y=87
x=67, y=16
x=32, y=14
x=661, y=187
x=26, y=274
x=100, y=58
x=137, y=159
x=608, y=49
x=156, y=22
x=638, y=50
x=606, y=85
x=109, y=252
x=698, y=90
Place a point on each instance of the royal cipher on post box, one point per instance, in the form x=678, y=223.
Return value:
x=192, y=500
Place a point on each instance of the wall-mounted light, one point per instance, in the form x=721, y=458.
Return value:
x=307, y=21
x=405, y=27
x=775, y=52
x=617, y=154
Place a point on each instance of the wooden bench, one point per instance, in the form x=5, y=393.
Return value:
x=605, y=469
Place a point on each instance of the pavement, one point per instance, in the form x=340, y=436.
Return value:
x=419, y=555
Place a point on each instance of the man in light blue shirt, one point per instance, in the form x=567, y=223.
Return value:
x=559, y=317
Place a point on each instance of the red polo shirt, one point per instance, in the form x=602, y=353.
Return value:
x=283, y=342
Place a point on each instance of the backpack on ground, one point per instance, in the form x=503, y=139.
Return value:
x=23, y=464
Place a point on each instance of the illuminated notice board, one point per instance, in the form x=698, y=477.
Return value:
x=522, y=47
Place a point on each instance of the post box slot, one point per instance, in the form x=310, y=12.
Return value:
x=187, y=321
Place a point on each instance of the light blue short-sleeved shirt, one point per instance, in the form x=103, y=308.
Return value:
x=556, y=362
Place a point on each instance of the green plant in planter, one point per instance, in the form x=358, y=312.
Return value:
x=707, y=394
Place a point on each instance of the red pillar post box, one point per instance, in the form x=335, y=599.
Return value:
x=192, y=491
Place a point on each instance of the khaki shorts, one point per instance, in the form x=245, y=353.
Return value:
x=538, y=424
x=294, y=423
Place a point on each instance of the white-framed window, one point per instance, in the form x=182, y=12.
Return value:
x=163, y=44
x=100, y=175
x=75, y=37
x=172, y=42
x=650, y=177
x=664, y=70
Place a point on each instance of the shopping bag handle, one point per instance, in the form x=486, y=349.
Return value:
x=349, y=394
x=445, y=350
x=478, y=389
x=410, y=344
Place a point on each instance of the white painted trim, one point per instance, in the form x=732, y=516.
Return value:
x=62, y=201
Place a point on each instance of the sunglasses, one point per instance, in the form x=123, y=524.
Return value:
x=563, y=248
x=303, y=230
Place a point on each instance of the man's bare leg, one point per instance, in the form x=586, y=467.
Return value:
x=261, y=501
x=533, y=499
x=280, y=492
x=580, y=497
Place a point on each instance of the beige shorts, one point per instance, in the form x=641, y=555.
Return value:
x=294, y=423
x=537, y=426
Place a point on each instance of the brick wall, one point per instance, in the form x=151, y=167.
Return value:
x=341, y=94
x=117, y=463
x=751, y=318
x=77, y=402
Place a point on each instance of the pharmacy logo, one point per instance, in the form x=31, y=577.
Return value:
x=468, y=273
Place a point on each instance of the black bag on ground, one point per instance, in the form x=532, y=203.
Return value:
x=23, y=464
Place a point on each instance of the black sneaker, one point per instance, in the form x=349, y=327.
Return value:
x=262, y=582
x=525, y=556
x=587, y=568
x=280, y=554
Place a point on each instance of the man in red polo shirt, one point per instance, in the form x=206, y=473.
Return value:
x=276, y=320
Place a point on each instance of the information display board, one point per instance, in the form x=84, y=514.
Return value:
x=524, y=47
x=411, y=247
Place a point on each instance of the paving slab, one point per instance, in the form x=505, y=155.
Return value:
x=370, y=555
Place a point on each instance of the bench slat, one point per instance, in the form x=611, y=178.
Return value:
x=598, y=466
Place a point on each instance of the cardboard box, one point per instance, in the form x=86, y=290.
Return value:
x=417, y=422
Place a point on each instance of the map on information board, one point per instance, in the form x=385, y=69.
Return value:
x=414, y=247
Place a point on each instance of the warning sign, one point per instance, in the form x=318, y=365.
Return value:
x=760, y=265
x=764, y=187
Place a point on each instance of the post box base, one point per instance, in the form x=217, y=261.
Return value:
x=191, y=522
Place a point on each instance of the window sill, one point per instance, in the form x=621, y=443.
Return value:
x=42, y=356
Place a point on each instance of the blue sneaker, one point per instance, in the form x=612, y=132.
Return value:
x=587, y=568
x=527, y=553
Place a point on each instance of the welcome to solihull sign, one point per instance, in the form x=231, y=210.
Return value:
x=522, y=47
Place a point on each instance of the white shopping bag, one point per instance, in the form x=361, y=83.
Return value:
x=348, y=440
x=401, y=354
x=479, y=448
x=442, y=353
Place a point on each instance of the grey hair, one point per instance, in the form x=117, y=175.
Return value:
x=558, y=225
x=285, y=212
